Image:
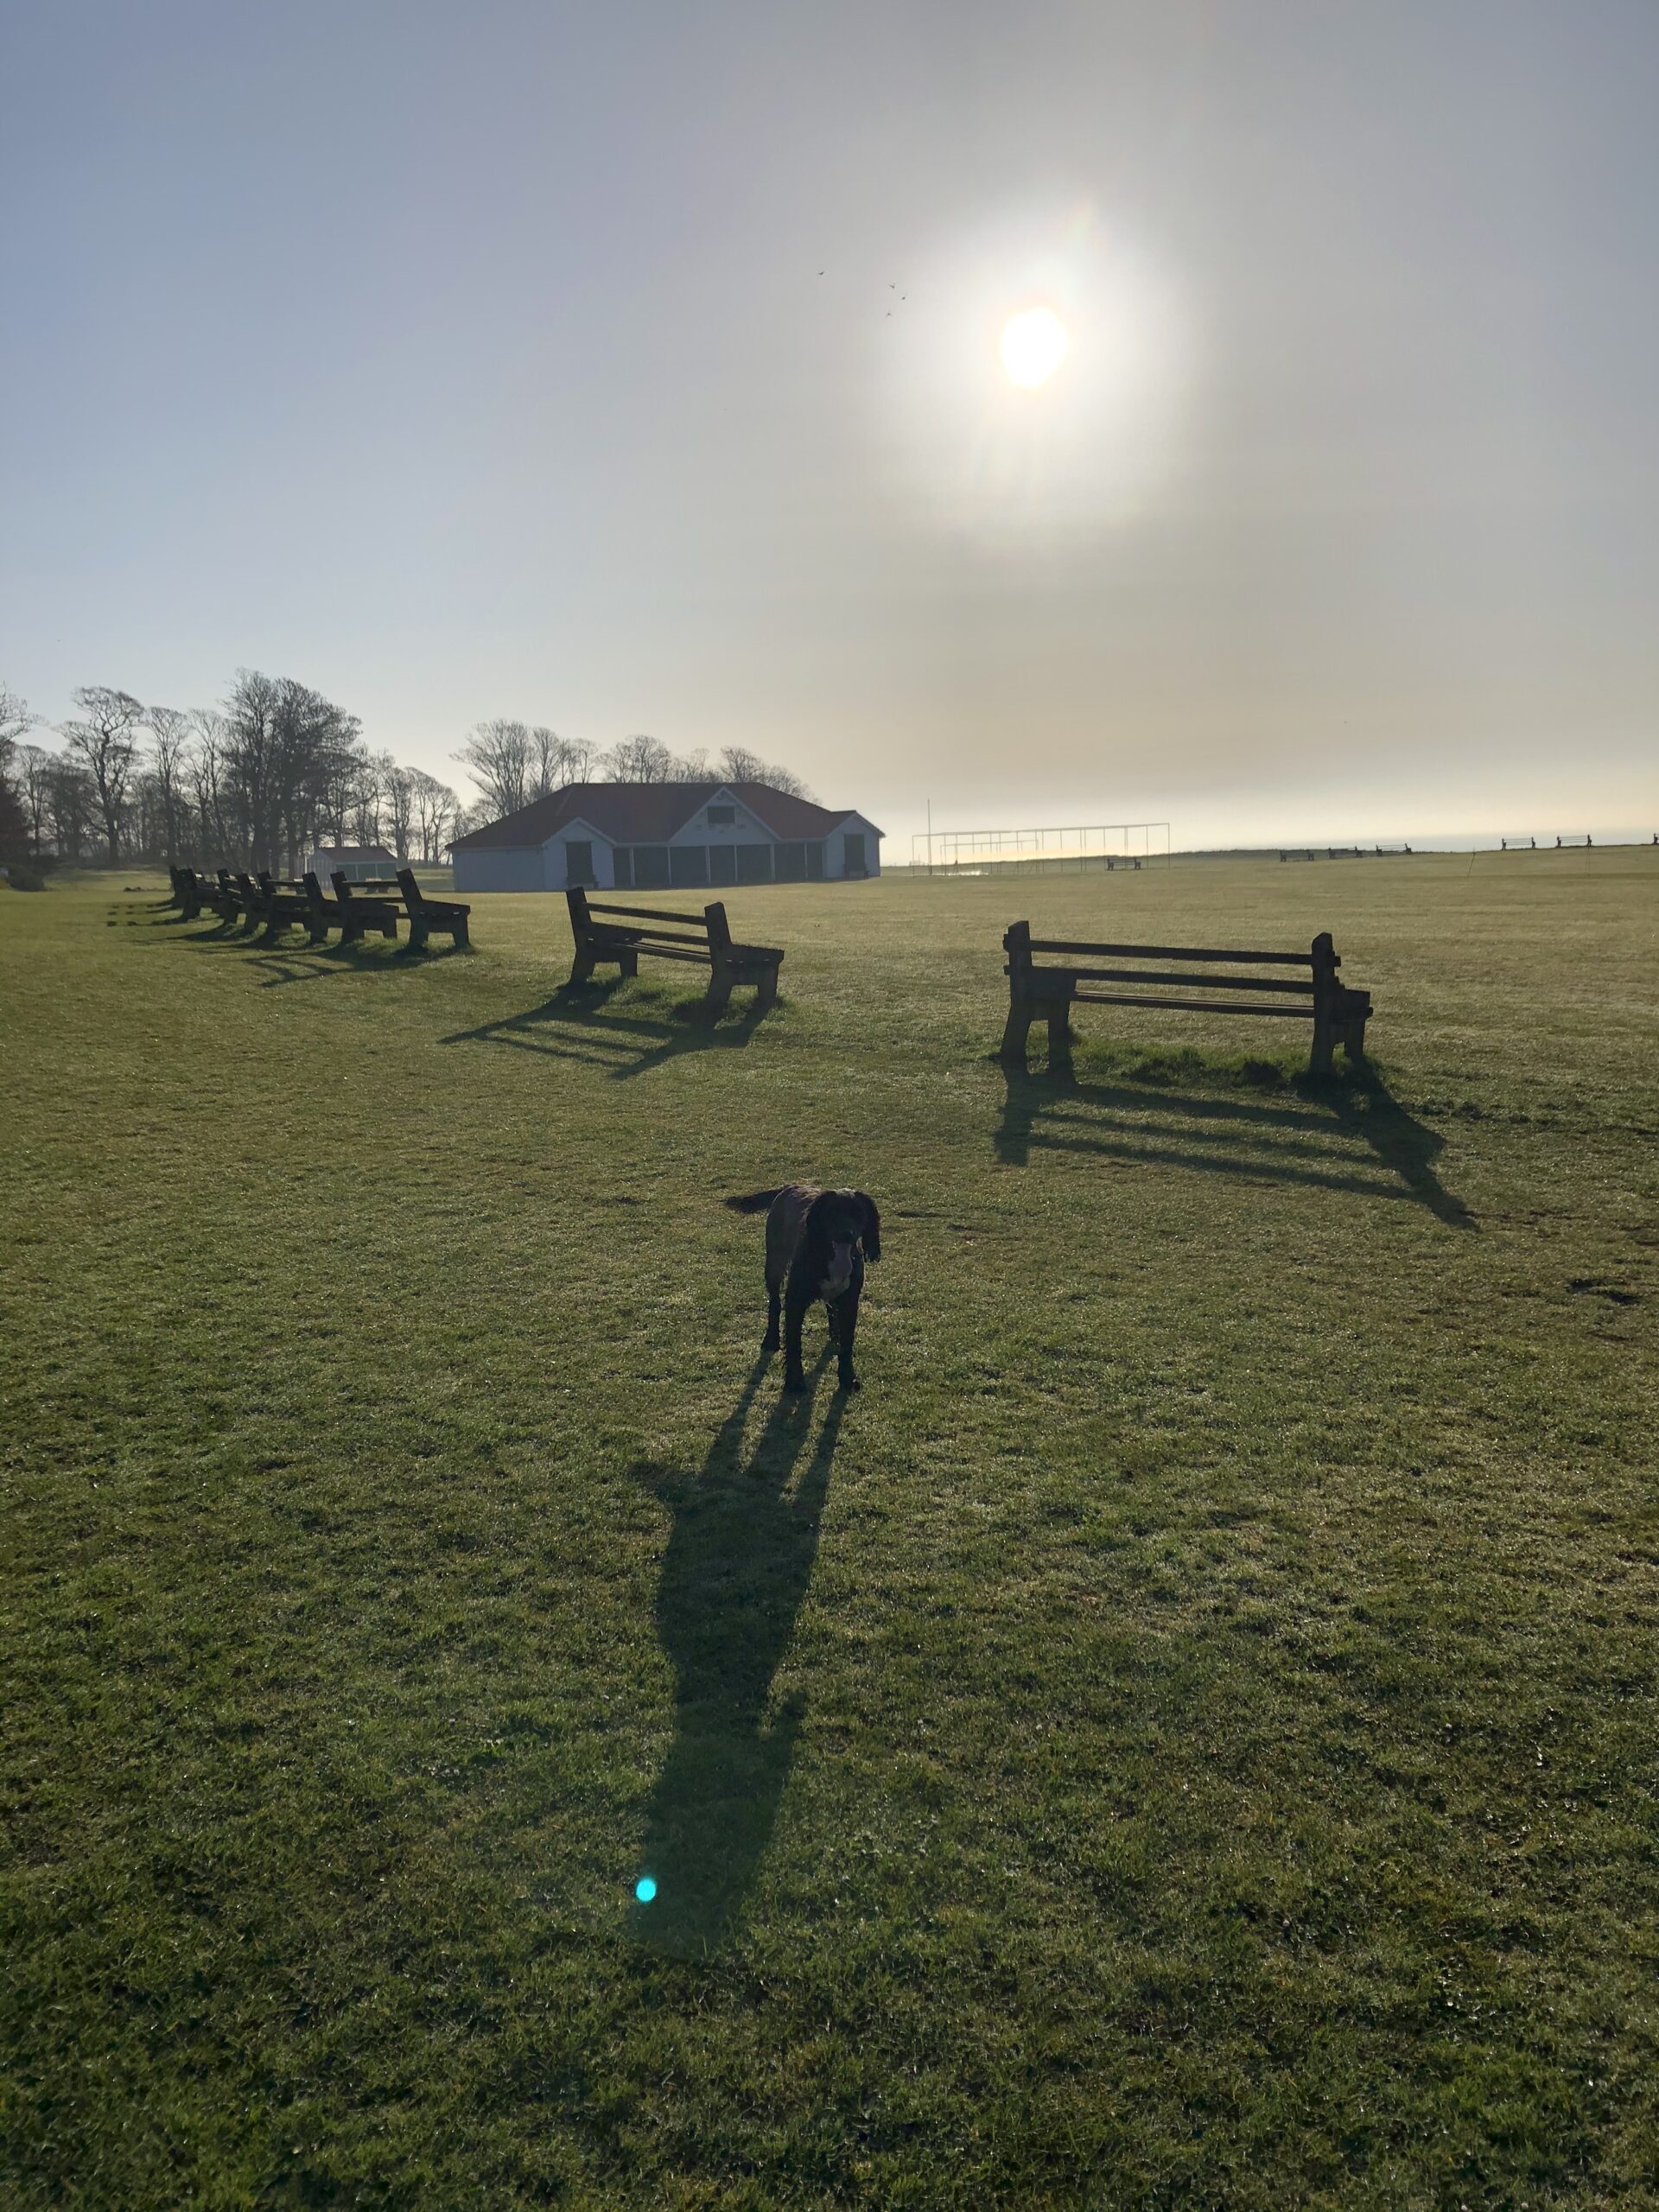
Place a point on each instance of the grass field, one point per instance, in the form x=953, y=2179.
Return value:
x=1185, y=1736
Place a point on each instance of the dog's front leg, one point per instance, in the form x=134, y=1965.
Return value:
x=770, y=1341
x=844, y=1327
x=794, y=1373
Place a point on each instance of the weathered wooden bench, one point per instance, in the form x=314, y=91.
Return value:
x=1338, y=1015
x=196, y=891
x=281, y=905
x=363, y=907
x=704, y=940
x=448, y=916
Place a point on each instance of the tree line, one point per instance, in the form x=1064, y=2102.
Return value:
x=257, y=782
x=514, y=762
x=277, y=770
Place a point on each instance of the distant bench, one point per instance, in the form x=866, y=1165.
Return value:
x=1338, y=1015
x=273, y=903
x=448, y=916
x=703, y=939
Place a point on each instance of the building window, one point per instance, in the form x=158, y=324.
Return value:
x=579, y=863
x=722, y=817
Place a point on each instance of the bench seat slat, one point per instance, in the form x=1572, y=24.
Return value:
x=645, y=913
x=1151, y=975
x=1191, y=1005
x=1172, y=952
x=604, y=933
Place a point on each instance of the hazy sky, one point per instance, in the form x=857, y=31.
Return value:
x=472, y=360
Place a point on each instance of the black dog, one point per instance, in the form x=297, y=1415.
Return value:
x=816, y=1245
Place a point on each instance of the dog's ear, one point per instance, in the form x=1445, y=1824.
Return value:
x=872, y=1226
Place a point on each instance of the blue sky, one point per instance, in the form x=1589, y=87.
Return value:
x=477, y=361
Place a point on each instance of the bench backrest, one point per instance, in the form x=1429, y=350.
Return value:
x=369, y=893
x=1152, y=966
x=716, y=934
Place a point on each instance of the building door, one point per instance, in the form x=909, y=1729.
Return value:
x=579, y=863
x=855, y=863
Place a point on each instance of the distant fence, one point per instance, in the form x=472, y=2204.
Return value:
x=1344, y=851
x=1064, y=849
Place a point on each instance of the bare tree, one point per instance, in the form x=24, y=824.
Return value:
x=204, y=769
x=738, y=766
x=640, y=760
x=169, y=733
x=34, y=765
x=72, y=801
x=16, y=722
x=104, y=740
x=400, y=807
x=498, y=756
x=435, y=809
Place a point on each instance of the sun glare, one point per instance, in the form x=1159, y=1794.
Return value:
x=1033, y=346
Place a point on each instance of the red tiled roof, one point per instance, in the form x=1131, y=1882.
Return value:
x=648, y=814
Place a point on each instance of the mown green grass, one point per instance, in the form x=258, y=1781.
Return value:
x=1183, y=1736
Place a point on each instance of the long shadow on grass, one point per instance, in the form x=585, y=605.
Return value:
x=734, y=1574
x=574, y=1024
x=306, y=964
x=1253, y=1141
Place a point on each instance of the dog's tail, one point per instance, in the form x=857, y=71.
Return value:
x=753, y=1202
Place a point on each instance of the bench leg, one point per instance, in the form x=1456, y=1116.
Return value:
x=627, y=965
x=1060, y=1038
x=1353, y=1040
x=389, y=930
x=719, y=995
x=417, y=931
x=1016, y=1036
x=766, y=989
x=1318, y=1059
x=458, y=935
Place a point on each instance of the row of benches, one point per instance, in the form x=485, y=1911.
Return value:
x=269, y=905
x=1141, y=975
x=1047, y=976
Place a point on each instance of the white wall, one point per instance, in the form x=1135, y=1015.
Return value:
x=500, y=867
x=530, y=868
x=834, y=853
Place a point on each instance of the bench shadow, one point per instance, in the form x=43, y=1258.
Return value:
x=734, y=1574
x=575, y=1024
x=309, y=963
x=1253, y=1141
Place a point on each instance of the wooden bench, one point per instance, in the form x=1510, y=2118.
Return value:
x=704, y=940
x=282, y=903
x=196, y=891
x=1338, y=1015
x=363, y=907
x=448, y=916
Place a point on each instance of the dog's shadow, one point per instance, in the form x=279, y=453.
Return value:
x=577, y=1023
x=735, y=1571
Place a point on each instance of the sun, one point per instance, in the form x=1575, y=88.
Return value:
x=1033, y=346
